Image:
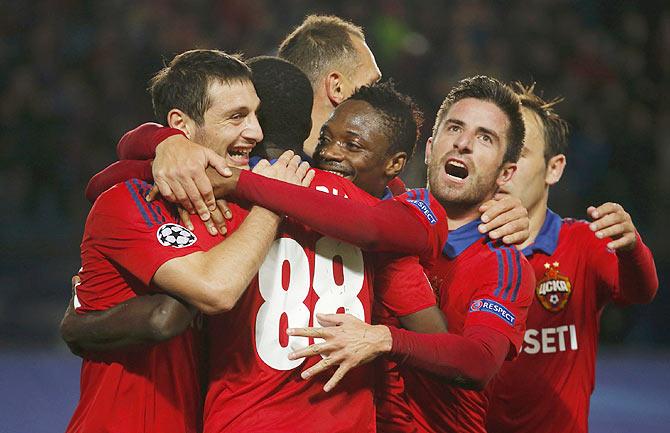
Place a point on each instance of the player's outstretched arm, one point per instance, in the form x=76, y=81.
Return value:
x=635, y=268
x=505, y=218
x=386, y=226
x=144, y=319
x=470, y=360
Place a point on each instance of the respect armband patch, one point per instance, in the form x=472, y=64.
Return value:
x=493, y=307
x=425, y=210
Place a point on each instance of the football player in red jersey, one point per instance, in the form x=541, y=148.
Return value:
x=132, y=248
x=580, y=266
x=484, y=289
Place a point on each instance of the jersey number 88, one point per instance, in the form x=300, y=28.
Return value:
x=291, y=301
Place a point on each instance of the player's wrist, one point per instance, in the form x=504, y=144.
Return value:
x=268, y=216
x=632, y=248
x=382, y=338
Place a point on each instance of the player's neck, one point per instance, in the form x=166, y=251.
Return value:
x=460, y=216
x=536, y=214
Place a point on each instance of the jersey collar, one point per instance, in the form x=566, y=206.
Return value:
x=547, y=240
x=461, y=238
x=388, y=194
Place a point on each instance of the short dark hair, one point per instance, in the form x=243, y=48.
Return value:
x=321, y=42
x=185, y=81
x=491, y=90
x=556, y=129
x=285, y=113
x=401, y=116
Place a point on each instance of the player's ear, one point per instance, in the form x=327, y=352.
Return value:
x=395, y=164
x=506, y=173
x=179, y=120
x=429, y=150
x=555, y=168
x=336, y=88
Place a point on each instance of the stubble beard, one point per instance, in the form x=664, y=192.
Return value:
x=460, y=199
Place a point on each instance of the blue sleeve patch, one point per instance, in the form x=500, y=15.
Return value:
x=422, y=202
x=493, y=307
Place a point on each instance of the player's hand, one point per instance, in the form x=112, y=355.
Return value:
x=505, y=218
x=610, y=220
x=179, y=174
x=287, y=168
x=216, y=224
x=349, y=342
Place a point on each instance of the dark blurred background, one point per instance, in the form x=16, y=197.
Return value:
x=73, y=76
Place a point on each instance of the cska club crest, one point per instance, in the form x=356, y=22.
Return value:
x=553, y=290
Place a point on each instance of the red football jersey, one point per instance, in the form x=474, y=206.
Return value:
x=253, y=384
x=576, y=276
x=477, y=284
x=153, y=389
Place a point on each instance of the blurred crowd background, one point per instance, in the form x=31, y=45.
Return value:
x=73, y=76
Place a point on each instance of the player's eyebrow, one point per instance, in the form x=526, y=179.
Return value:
x=479, y=128
x=489, y=131
x=455, y=121
x=236, y=109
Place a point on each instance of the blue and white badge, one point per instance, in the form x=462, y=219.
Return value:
x=493, y=307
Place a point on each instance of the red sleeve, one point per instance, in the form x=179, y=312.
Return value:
x=389, y=225
x=141, y=142
x=625, y=277
x=130, y=232
x=118, y=172
x=477, y=354
x=401, y=285
x=504, y=292
x=432, y=216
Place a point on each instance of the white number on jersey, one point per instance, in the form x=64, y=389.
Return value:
x=290, y=301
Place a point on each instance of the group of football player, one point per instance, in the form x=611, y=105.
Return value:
x=253, y=262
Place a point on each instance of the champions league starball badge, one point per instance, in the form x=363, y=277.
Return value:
x=553, y=290
x=174, y=235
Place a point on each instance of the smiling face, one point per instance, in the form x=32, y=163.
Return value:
x=465, y=157
x=353, y=145
x=230, y=126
